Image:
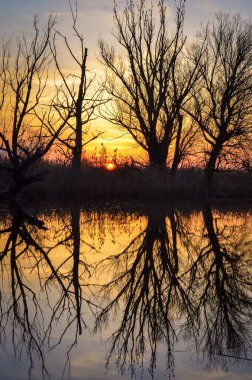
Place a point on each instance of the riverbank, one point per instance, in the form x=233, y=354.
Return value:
x=61, y=184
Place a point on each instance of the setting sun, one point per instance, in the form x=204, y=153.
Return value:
x=110, y=166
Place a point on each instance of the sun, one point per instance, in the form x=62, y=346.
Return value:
x=110, y=166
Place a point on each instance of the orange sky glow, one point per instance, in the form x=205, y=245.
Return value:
x=95, y=20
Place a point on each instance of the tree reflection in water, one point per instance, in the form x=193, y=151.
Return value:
x=221, y=277
x=148, y=283
x=16, y=309
x=170, y=273
x=174, y=279
x=23, y=308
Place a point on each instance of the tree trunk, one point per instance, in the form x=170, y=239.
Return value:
x=158, y=155
x=177, y=158
x=19, y=181
x=77, y=151
x=211, y=164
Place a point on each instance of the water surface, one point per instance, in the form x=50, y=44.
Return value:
x=117, y=293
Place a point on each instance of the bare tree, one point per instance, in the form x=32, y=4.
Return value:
x=150, y=80
x=77, y=94
x=28, y=125
x=222, y=104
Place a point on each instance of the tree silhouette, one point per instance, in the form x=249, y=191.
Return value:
x=28, y=126
x=149, y=82
x=76, y=99
x=222, y=100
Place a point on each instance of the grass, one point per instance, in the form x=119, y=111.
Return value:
x=131, y=183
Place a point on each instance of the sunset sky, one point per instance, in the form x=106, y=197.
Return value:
x=95, y=21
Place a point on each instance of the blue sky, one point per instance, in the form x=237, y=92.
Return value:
x=96, y=15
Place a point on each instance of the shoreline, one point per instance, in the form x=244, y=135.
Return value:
x=62, y=185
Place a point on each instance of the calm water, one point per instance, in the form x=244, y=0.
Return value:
x=111, y=294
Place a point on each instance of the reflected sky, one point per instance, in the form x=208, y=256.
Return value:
x=114, y=294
